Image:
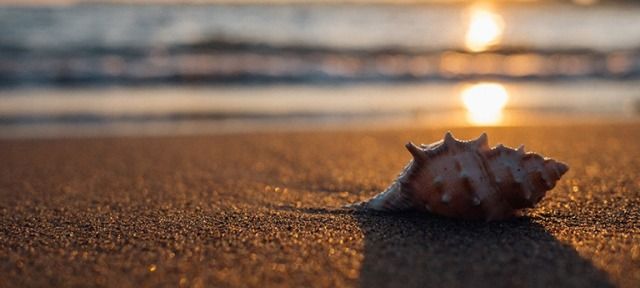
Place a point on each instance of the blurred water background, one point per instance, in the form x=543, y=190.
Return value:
x=119, y=68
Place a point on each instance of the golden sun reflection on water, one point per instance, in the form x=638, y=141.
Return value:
x=485, y=29
x=484, y=103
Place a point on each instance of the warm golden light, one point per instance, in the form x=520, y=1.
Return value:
x=484, y=103
x=485, y=29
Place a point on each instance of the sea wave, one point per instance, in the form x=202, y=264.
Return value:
x=216, y=62
x=223, y=44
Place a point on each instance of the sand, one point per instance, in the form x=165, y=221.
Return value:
x=256, y=210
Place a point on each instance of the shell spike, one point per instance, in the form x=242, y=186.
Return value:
x=449, y=140
x=417, y=153
x=520, y=150
x=482, y=142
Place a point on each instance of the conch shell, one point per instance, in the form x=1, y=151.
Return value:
x=468, y=180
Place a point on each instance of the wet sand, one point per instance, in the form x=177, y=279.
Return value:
x=256, y=210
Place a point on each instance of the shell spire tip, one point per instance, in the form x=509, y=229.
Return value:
x=561, y=168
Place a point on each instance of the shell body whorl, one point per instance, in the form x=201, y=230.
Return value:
x=469, y=180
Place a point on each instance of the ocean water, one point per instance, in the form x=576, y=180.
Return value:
x=140, y=44
x=188, y=110
x=93, y=69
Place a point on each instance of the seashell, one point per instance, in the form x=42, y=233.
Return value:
x=468, y=180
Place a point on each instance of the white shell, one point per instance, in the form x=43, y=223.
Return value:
x=469, y=180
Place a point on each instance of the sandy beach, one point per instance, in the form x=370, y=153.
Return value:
x=259, y=210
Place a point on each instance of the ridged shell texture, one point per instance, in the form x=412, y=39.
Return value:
x=469, y=180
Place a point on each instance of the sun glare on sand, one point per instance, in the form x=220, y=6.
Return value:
x=485, y=29
x=484, y=103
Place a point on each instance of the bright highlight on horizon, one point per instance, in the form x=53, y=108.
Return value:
x=484, y=103
x=485, y=29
